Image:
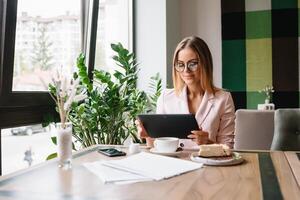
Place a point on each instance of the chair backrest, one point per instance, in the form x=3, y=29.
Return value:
x=254, y=129
x=287, y=130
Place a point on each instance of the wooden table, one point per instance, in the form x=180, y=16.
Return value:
x=250, y=180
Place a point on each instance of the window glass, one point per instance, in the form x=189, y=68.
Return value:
x=114, y=25
x=25, y=146
x=47, y=38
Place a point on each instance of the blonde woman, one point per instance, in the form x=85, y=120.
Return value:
x=194, y=92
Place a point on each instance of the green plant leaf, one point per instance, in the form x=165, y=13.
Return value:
x=115, y=47
x=73, y=146
x=51, y=156
x=53, y=139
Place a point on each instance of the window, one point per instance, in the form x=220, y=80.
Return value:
x=114, y=25
x=38, y=36
x=44, y=32
x=34, y=146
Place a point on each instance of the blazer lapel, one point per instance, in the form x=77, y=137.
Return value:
x=184, y=107
x=204, y=108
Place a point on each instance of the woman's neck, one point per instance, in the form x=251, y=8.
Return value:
x=194, y=98
x=194, y=91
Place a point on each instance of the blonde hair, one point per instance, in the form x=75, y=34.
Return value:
x=206, y=64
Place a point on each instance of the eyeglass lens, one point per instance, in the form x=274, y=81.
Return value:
x=191, y=65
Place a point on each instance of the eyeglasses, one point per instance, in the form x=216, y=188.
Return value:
x=191, y=65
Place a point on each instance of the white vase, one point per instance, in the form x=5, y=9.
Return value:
x=64, y=145
x=267, y=101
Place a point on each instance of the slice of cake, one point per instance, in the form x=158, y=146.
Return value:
x=214, y=150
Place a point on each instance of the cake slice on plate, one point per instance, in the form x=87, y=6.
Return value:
x=214, y=150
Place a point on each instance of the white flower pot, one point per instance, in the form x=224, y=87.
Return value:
x=64, y=145
x=267, y=101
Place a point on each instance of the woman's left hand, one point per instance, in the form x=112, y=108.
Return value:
x=199, y=136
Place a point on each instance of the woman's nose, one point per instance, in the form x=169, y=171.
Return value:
x=186, y=69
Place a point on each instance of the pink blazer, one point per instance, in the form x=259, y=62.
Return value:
x=215, y=115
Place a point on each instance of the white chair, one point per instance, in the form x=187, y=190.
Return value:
x=254, y=129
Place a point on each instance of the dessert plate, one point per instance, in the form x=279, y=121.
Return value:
x=176, y=153
x=234, y=159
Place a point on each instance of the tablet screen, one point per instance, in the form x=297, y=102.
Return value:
x=169, y=125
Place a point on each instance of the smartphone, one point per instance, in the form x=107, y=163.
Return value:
x=111, y=152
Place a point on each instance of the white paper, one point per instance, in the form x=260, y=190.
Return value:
x=109, y=174
x=153, y=166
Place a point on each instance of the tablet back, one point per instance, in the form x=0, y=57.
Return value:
x=169, y=125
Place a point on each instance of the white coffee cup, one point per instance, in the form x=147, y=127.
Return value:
x=166, y=144
x=134, y=148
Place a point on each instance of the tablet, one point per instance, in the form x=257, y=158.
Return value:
x=169, y=125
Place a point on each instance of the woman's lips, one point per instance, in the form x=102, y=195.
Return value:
x=188, y=77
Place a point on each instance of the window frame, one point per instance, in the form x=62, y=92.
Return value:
x=8, y=98
x=19, y=108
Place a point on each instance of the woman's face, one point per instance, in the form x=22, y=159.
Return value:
x=190, y=75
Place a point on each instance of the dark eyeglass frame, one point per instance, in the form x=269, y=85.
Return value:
x=191, y=65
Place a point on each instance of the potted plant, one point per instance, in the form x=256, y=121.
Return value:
x=113, y=101
x=267, y=91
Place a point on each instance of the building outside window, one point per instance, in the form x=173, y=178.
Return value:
x=48, y=37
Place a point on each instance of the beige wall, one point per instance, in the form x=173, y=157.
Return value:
x=161, y=24
x=150, y=40
x=203, y=18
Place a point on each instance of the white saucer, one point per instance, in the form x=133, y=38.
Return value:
x=235, y=159
x=176, y=153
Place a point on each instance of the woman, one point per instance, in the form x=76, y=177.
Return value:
x=194, y=92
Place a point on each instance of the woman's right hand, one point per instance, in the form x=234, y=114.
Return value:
x=142, y=133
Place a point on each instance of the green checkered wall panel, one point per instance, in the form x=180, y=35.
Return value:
x=258, y=24
x=259, y=63
x=234, y=53
x=260, y=46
